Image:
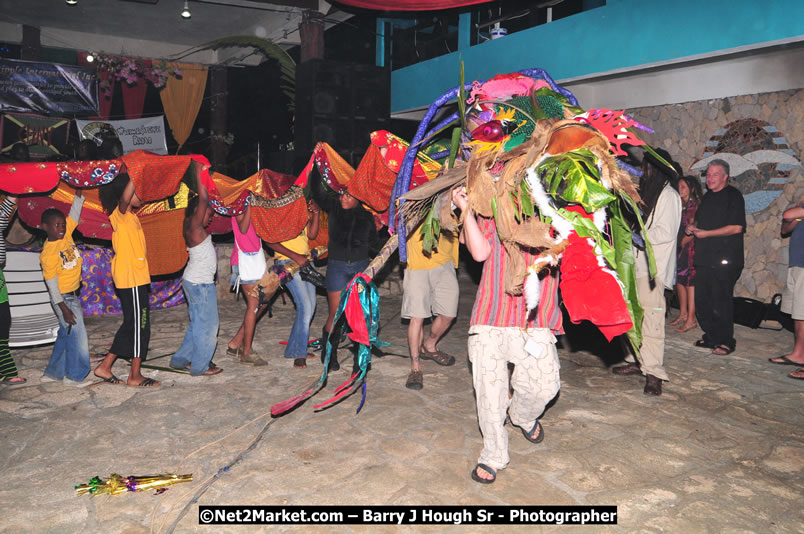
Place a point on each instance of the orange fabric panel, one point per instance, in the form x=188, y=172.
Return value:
x=373, y=181
x=166, y=250
x=182, y=97
x=280, y=224
x=154, y=176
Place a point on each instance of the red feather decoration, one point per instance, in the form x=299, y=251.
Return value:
x=614, y=125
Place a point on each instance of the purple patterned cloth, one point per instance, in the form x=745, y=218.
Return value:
x=98, y=296
x=685, y=262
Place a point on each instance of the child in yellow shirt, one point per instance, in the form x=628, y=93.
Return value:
x=132, y=280
x=61, y=267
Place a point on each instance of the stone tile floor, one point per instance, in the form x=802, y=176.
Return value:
x=721, y=451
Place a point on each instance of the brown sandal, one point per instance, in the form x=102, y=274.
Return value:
x=300, y=363
x=415, y=380
x=441, y=358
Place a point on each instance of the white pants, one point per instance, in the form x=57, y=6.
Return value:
x=535, y=382
x=651, y=353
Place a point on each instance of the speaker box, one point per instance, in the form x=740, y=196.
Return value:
x=340, y=104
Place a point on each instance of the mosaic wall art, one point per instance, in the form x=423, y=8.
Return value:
x=759, y=156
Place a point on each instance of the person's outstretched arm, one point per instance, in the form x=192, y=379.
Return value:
x=128, y=195
x=471, y=234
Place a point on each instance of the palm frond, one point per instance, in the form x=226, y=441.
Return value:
x=269, y=49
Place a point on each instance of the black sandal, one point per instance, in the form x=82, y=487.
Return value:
x=704, y=344
x=537, y=439
x=486, y=468
x=725, y=348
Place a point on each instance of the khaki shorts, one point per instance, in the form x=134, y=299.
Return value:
x=429, y=292
x=793, y=298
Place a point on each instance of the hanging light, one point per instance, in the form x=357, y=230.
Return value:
x=70, y=2
x=185, y=13
x=90, y=58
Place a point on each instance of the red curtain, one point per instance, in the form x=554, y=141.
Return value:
x=134, y=95
x=410, y=5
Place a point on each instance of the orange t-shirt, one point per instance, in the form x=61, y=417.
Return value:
x=129, y=264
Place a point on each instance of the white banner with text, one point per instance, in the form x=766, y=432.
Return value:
x=135, y=134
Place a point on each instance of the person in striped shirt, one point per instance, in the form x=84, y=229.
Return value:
x=503, y=332
x=8, y=369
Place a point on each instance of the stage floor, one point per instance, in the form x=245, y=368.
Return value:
x=720, y=450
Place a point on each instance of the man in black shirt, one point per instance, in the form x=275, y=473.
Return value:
x=718, y=233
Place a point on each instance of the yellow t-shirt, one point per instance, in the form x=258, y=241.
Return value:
x=129, y=264
x=62, y=260
x=446, y=251
x=299, y=245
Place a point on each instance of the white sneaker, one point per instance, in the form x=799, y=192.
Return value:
x=46, y=378
x=86, y=382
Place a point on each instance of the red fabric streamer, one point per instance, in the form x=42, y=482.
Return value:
x=354, y=314
x=604, y=306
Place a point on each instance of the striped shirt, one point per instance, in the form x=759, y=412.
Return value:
x=5, y=212
x=495, y=307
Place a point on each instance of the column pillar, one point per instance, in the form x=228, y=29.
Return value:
x=218, y=120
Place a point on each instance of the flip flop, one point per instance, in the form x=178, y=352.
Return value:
x=300, y=363
x=13, y=381
x=234, y=352
x=147, y=383
x=686, y=328
x=793, y=374
x=537, y=439
x=785, y=361
x=211, y=367
x=109, y=380
x=486, y=468
x=725, y=350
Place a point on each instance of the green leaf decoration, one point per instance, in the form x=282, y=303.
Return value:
x=494, y=208
x=647, y=148
x=455, y=146
x=626, y=271
x=525, y=199
x=269, y=49
x=462, y=99
x=430, y=229
x=546, y=91
x=648, y=247
x=550, y=107
x=574, y=176
x=437, y=145
x=517, y=209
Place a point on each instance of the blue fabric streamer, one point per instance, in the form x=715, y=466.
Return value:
x=370, y=304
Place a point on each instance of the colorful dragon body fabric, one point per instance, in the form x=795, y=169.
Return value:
x=277, y=200
x=545, y=170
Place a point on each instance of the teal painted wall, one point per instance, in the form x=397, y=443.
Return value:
x=621, y=34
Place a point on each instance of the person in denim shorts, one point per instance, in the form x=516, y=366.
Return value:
x=352, y=239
